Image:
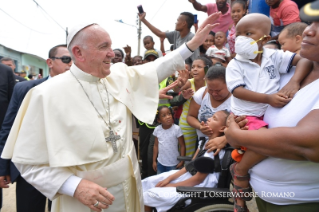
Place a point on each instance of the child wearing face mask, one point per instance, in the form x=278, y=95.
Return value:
x=253, y=79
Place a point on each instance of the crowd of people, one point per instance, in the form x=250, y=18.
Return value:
x=243, y=79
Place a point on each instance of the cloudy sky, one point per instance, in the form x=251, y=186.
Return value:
x=26, y=27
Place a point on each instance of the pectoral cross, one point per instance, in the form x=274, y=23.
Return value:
x=112, y=138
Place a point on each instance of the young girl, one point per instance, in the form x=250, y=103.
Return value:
x=160, y=191
x=168, y=137
x=198, y=71
x=238, y=10
x=210, y=40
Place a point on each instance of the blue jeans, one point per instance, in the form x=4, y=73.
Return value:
x=161, y=168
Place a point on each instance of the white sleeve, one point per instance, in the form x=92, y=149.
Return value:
x=179, y=131
x=70, y=185
x=172, y=62
x=198, y=96
x=47, y=180
x=234, y=76
x=282, y=60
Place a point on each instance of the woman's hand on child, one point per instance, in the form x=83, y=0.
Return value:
x=163, y=183
x=278, y=99
x=230, y=131
x=290, y=89
x=180, y=165
x=216, y=144
x=155, y=166
x=205, y=129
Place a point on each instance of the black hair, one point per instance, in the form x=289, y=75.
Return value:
x=207, y=61
x=172, y=47
x=243, y=3
x=159, y=111
x=227, y=113
x=148, y=36
x=53, y=51
x=216, y=72
x=137, y=56
x=274, y=42
x=201, y=47
x=120, y=50
x=189, y=19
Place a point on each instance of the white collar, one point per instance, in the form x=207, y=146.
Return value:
x=81, y=75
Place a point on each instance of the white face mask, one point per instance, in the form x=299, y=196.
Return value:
x=247, y=47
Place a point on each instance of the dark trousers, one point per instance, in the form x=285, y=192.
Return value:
x=29, y=199
x=151, y=171
x=145, y=135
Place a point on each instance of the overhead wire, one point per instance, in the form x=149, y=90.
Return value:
x=158, y=10
x=22, y=23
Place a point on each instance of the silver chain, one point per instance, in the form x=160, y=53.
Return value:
x=108, y=101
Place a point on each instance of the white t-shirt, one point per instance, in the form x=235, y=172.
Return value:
x=260, y=79
x=296, y=181
x=206, y=110
x=222, y=53
x=168, y=144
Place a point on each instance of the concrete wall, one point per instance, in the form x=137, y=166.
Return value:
x=28, y=62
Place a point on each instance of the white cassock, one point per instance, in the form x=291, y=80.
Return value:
x=58, y=138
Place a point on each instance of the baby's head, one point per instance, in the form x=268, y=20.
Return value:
x=290, y=37
x=256, y=26
x=148, y=42
x=220, y=39
x=218, y=122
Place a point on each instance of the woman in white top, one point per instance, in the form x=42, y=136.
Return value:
x=288, y=179
x=208, y=100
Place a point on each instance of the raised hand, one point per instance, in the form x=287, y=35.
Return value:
x=188, y=93
x=183, y=76
x=127, y=50
x=162, y=92
x=141, y=16
x=203, y=31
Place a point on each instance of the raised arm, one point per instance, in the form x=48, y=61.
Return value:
x=156, y=31
x=293, y=143
x=198, y=6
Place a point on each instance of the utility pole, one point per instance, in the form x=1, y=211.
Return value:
x=139, y=32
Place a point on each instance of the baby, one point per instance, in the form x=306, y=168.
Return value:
x=218, y=52
x=290, y=37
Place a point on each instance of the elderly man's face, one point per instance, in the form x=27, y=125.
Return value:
x=310, y=42
x=98, y=52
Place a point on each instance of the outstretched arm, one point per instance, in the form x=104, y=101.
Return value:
x=193, y=181
x=156, y=31
x=198, y=6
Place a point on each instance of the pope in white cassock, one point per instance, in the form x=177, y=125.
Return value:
x=72, y=137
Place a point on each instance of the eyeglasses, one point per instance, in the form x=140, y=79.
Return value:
x=64, y=59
